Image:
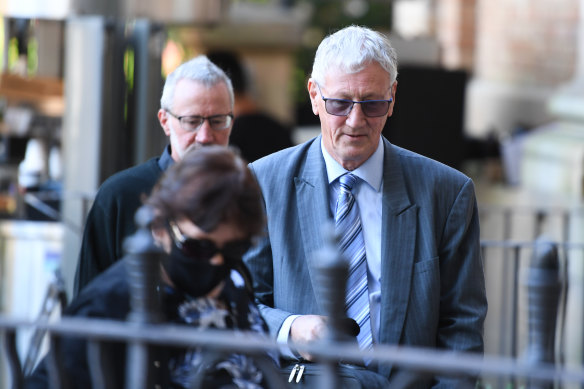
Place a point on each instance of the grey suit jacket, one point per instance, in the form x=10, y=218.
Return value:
x=432, y=282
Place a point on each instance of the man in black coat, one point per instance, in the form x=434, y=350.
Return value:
x=196, y=107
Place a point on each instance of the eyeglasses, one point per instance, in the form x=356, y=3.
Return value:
x=204, y=249
x=193, y=123
x=343, y=107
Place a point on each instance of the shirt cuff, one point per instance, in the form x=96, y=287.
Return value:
x=284, y=335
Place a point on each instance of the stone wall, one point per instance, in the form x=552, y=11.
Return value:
x=524, y=51
x=455, y=32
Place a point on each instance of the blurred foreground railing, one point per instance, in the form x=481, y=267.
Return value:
x=422, y=360
x=526, y=274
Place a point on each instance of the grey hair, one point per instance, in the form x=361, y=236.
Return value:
x=199, y=69
x=351, y=49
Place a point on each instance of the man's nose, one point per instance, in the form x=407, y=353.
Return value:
x=356, y=116
x=205, y=134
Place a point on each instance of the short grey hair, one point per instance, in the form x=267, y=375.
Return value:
x=199, y=69
x=351, y=50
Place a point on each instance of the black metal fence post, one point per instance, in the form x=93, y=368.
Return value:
x=13, y=360
x=143, y=276
x=544, y=287
x=332, y=279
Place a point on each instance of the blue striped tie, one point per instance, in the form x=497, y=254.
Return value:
x=352, y=245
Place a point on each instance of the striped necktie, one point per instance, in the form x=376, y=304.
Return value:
x=352, y=245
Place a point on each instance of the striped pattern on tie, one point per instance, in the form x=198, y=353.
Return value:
x=352, y=245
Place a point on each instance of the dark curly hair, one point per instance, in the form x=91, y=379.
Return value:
x=209, y=186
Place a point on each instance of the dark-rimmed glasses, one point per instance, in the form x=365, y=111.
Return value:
x=204, y=249
x=343, y=107
x=193, y=123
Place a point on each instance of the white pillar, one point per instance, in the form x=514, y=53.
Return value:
x=524, y=51
x=81, y=128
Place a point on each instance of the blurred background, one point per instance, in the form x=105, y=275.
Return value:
x=494, y=88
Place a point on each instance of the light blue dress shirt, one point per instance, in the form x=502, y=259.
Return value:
x=368, y=195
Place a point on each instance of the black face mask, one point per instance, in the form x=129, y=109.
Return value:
x=193, y=276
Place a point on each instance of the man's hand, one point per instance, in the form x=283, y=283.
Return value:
x=308, y=328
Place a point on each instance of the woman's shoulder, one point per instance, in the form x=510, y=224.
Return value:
x=106, y=296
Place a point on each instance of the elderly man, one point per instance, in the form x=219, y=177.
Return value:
x=408, y=225
x=196, y=108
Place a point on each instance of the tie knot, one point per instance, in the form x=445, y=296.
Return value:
x=348, y=181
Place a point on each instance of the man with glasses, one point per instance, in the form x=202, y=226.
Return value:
x=407, y=225
x=196, y=108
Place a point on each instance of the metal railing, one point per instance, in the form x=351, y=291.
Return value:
x=510, y=236
x=423, y=360
x=544, y=262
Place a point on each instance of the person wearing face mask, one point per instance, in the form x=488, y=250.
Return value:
x=207, y=211
x=196, y=108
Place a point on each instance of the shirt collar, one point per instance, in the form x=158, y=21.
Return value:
x=371, y=171
x=165, y=160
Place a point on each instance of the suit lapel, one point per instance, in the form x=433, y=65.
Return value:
x=398, y=232
x=312, y=205
x=397, y=247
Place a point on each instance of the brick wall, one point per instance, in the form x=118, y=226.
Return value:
x=455, y=31
x=526, y=41
x=515, y=41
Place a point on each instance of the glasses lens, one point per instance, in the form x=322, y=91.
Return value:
x=191, y=123
x=197, y=249
x=338, y=107
x=202, y=250
x=375, y=108
x=220, y=122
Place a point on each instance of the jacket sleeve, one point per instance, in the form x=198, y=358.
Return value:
x=259, y=261
x=463, y=302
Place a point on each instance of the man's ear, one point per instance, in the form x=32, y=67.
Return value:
x=163, y=119
x=313, y=93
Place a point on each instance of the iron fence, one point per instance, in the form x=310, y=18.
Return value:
x=418, y=359
x=527, y=350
